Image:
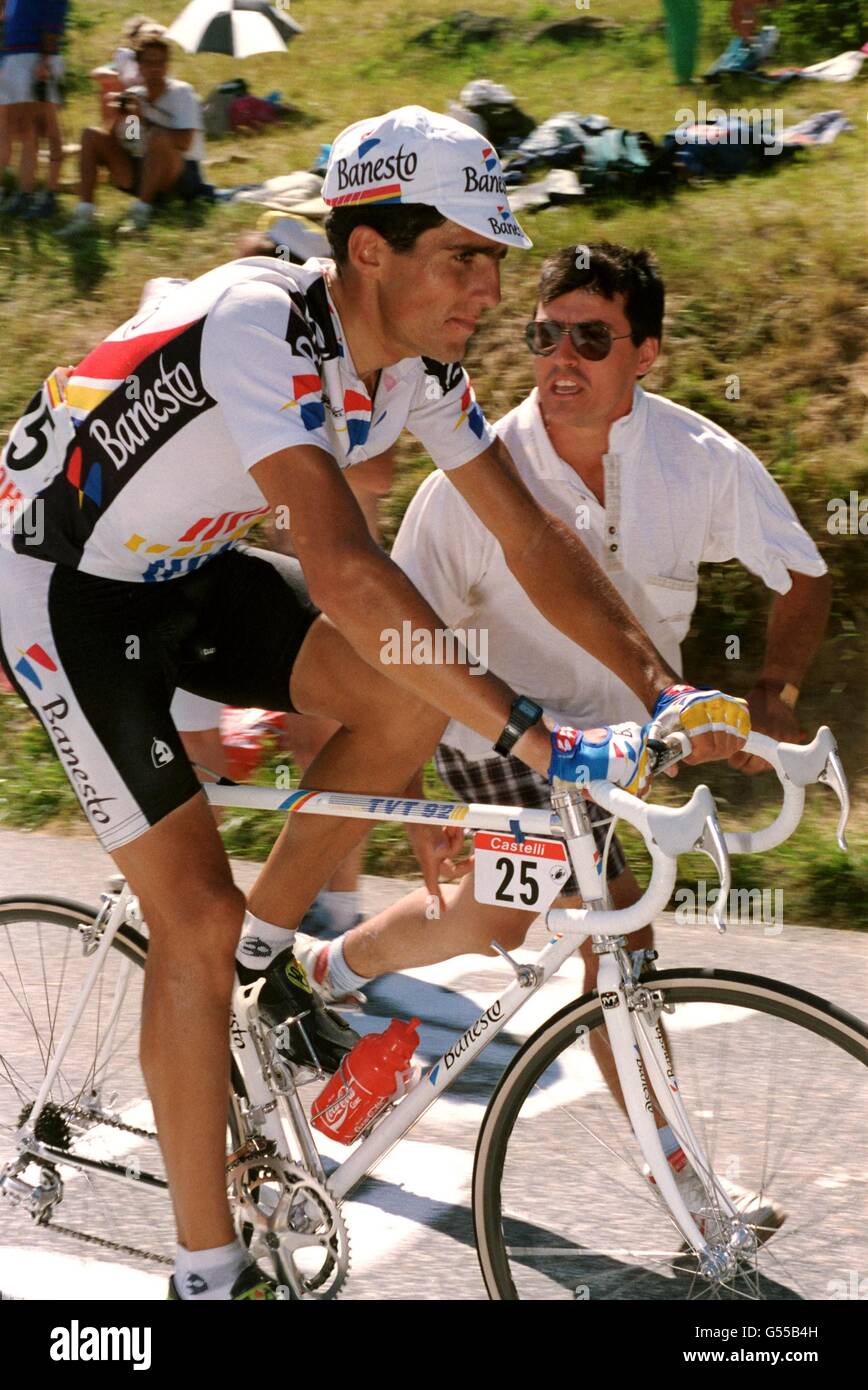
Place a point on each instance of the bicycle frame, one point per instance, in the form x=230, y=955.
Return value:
x=274, y=1106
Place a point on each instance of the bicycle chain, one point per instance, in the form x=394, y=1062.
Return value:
x=101, y=1119
x=102, y=1241
x=106, y=1244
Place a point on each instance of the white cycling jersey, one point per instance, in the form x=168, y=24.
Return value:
x=138, y=464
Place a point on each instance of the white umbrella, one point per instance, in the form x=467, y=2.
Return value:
x=237, y=27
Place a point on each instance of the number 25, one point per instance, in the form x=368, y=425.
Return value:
x=527, y=882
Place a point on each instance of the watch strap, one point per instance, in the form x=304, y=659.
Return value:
x=522, y=716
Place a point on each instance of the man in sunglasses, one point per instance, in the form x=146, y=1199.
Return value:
x=653, y=490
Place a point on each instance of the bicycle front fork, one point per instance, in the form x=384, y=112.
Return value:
x=631, y=1012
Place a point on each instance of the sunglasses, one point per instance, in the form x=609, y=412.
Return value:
x=592, y=340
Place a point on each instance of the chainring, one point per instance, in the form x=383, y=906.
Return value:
x=284, y=1213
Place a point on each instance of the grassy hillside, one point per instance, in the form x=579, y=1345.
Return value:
x=766, y=276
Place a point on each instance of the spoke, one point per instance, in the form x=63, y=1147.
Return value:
x=43, y=1053
x=26, y=1011
x=6, y=1065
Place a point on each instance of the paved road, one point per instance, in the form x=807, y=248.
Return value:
x=410, y=1224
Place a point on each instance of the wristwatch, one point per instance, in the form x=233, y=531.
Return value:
x=523, y=715
x=786, y=692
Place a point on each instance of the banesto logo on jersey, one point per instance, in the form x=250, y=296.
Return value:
x=167, y=396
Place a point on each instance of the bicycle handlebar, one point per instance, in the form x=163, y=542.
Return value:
x=669, y=831
x=797, y=767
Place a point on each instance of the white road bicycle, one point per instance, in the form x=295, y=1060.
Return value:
x=761, y=1082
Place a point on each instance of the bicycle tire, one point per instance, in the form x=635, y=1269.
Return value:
x=702, y=986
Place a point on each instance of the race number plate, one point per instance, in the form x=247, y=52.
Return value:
x=527, y=875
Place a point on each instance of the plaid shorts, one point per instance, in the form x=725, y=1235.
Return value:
x=510, y=782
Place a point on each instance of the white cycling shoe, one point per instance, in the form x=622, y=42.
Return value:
x=313, y=955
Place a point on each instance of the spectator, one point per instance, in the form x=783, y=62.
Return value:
x=123, y=70
x=30, y=95
x=154, y=148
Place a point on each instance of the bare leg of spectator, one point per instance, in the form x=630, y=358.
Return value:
x=162, y=167
x=29, y=127
x=99, y=150
x=51, y=133
x=6, y=146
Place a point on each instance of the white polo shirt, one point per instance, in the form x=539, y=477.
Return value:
x=679, y=491
x=177, y=108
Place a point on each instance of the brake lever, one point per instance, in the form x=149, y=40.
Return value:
x=818, y=761
x=833, y=776
x=712, y=843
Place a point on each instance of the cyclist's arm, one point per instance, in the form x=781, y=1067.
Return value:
x=366, y=595
x=559, y=574
x=369, y=482
x=256, y=364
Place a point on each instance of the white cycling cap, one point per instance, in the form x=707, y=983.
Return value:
x=413, y=155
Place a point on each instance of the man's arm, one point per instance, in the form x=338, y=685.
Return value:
x=367, y=596
x=370, y=482
x=559, y=574
x=797, y=623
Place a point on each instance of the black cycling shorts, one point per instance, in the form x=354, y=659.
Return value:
x=98, y=661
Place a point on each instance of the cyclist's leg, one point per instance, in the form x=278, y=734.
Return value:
x=305, y=736
x=383, y=733
x=268, y=647
x=403, y=936
x=65, y=639
x=180, y=872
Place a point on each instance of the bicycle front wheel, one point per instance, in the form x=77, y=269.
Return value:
x=773, y=1080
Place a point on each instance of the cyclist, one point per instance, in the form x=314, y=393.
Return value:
x=251, y=388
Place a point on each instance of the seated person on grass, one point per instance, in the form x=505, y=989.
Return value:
x=155, y=147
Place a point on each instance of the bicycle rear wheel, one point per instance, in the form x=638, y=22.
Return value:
x=773, y=1080
x=99, y=1107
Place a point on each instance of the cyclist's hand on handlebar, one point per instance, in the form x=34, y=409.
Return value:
x=717, y=724
x=768, y=715
x=435, y=847
x=617, y=753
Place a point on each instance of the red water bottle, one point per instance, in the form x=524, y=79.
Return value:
x=365, y=1082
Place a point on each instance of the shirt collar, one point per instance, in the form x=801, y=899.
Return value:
x=627, y=433
x=624, y=436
